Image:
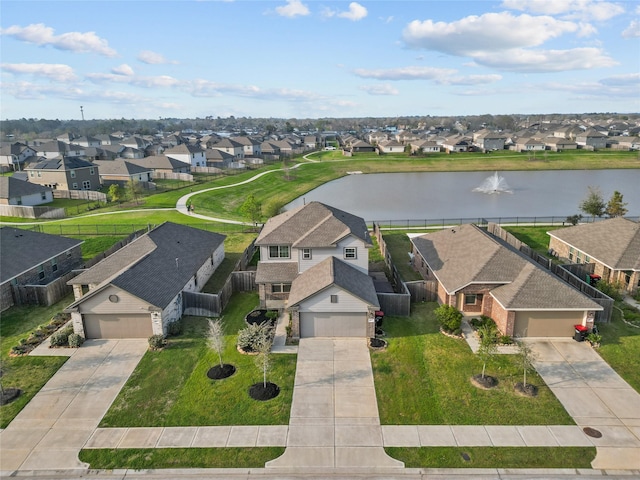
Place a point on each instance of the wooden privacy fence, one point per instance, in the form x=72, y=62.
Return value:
x=80, y=195
x=24, y=211
x=44, y=295
x=185, y=177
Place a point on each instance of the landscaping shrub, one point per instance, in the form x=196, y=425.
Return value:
x=75, y=340
x=174, y=328
x=613, y=290
x=61, y=337
x=156, y=342
x=60, y=318
x=449, y=318
x=252, y=334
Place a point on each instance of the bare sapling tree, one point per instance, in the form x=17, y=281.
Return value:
x=263, y=359
x=487, y=346
x=215, y=337
x=526, y=358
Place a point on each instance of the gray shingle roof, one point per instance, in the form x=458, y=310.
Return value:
x=60, y=163
x=312, y=225
x=333, y=271
x=162, y=266
x=614, y=242
x=276, y=272
x=466, y=254
x=21, y=250
x=120, y=167
x=12, y=187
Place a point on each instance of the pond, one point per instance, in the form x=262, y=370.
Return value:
x=450, y=195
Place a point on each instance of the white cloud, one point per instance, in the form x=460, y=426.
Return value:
x=356, y=12
x=405, y=73
x=384, y=89
x=160, y=81
x=491, y=32
x=633, y=30
x=153, y=58
x=77, y=42
x=123, y=69
x=53, y=71
x=471, y=80
x=536, y=61
x=292, y=9
x=627, y=79
x=34, y=91
x=582, y=9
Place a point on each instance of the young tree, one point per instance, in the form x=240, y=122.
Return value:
x=488, y=345
x=115, y=192
x=616, y=207
x=263, y=359
x=215, y=337
x=594, y=203
x=251, y=209
x=134, y=188
x=525, y=359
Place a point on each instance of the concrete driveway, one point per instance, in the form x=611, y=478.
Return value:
x=50, y=431
x=595, y=396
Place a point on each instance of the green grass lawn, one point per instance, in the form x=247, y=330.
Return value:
x=423, y=379
x=29, y=374
x=495, y=457
x=143, y=459
x=399, y=246
x=170, y=387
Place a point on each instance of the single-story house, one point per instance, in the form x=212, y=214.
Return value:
x=314, y=263
x=20, y=192
x=613, y=245
x=480, y=275
x=137, y=291
x=33, y=258
x=121, y=172
x=162, y=164
x=390, y=146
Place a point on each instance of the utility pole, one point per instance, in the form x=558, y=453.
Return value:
x=81, y=113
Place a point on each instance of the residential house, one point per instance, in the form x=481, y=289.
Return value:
x=65, y=173
x=192, y=155
x=592, y=138
x=270, y=150
x=314, y=263
x=136, y=142
x=16, y=154
x=137, y=291
x=220, y=159
x=558, y=144
x=360, y=146
x=88, y=142
x=377, y=137
x=120, y=172
x=162, y=163
x=310, y=142
x=20, y=192
x=57, y=148
x=424, y=146
x=489, y=141
x=251, y=146
x=612, y=245
x=457, y=144
x=107, y=139
x=130, y=152
x=33, y=258
x=530, y=144
x=231, y=147
x=480, y=275
x=390, y=146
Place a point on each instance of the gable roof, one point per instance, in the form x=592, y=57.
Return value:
x=333, y=271
x=614, y=242
x=120, y=167
x=23, y=249
x=156, y=266
x=60, y=163
x=157, y=162
x=466, y=255
x=312, y=225
x=11, y=187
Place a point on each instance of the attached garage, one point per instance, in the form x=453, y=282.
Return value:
x=329, y=324
x=546, y=324
x=117, y=326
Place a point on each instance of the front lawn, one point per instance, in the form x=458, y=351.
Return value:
x=423, y=379
x=170, y=387
x=29, y=374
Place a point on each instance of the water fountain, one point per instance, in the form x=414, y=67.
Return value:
x=494, y=184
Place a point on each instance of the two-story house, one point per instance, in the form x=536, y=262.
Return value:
x=65, y=173
x=314, y=263
x=14, y=155
x=190, y=154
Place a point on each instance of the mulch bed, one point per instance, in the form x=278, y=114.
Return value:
x=259, y=317
x=258, y=391
x=487, y=382
x=451, y=334
x=219, y=372
x=9, y=394
x=526, y=391
x=377, y=343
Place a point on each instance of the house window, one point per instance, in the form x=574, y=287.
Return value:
x=39, y=173
x=43, y=195
x=19, y=201
x=74, y=186
x=470, y=299
x=306, y=254
x=54, y=265
x=86, y=185
x=41, y=272
x=281, y=288
x=579, y=257
x=571, y=253
x=72, y=173
x=91, y=171
x=334, y=298
x=586, y=259
x=279, y=251
x=32, y=174
x=195, y=280
x=350, y=253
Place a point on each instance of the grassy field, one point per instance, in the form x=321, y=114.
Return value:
x=423, y=378
x=188, y=397
x=621, y=349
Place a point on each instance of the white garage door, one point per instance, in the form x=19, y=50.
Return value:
x=333, y=324
x=117, y=326
x=546, y=324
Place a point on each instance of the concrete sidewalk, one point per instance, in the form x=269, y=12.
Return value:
x=334, y=419
x=595, y=396
x=52, y=428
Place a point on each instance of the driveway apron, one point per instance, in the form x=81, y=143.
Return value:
x=595, y=396
x=334, y=414
x=52, y=428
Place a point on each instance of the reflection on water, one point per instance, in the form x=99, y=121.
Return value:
x=427, y=195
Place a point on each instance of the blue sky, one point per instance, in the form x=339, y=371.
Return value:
x=313, y=59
